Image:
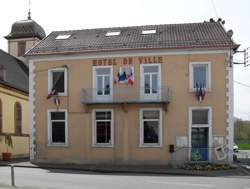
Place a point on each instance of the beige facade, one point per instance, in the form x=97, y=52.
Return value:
x=9, y=97
x=174, y=72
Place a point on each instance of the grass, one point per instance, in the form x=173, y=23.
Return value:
x=244, y=146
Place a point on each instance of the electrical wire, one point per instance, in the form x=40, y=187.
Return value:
x=243, y=84
x=214, y=9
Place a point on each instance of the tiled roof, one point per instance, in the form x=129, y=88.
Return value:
x=26, y=28
x=17, y=73
x=171, y=36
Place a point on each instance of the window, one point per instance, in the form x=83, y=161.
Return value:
x=145, y=32
x=151, y=81
x=103, y=127
x=102, y=83
x=18, y=118
x=1, y=117
x=21, y=48
x=151, y=127
x=200, y=75
x=57, y=127
x=63, y=36
x=112, y=33
x=199, y=117
x=58, y=81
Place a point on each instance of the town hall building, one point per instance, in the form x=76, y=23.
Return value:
x=132, y=95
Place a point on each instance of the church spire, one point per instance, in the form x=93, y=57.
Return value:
x=29, y=16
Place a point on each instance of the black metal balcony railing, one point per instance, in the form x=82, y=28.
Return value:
x=126, y=95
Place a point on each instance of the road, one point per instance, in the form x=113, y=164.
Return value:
x=245, y=154
x=66, y=179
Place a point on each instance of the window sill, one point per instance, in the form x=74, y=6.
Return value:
x=194, y=90
x=103, y=146
x=58, y=145
x=62, y=94
x=150, y=146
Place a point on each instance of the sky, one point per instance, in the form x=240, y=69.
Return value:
x=56, y=15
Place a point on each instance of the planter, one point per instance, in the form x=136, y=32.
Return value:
x=6, y=156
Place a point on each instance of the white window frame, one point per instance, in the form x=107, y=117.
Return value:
x=94, y=143
x=62, y=36
x=149, y=97
x=191, y=76
x=50, y=143
x=113, y=33
x=50, y=82
x=102, y=98
x=209, y=126
x=148, y=31
x=132, y=68
x=141, y=142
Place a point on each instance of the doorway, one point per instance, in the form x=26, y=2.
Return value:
x=199, y=144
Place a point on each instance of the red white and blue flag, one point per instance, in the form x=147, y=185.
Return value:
x=125, y=77
x=52, y=93
x=57, y=101
x=129, y=78
x=200, y=93
x=121, y=78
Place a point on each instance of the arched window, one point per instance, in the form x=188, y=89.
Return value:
x=1, y=117
x=18, y=118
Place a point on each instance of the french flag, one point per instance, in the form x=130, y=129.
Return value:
x=200, y=93
x=129, y=79
x=122, y=77
x=52, y=93
x=125, y=78
x=203, y=94
x=57, y=101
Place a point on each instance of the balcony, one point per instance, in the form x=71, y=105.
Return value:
x=126, y=95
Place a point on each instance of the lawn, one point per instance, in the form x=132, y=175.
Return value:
x=244, y=146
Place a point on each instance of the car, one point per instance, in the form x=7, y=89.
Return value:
x=235, y=148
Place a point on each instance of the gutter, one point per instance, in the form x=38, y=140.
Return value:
x=29, y=54
x=11, y=86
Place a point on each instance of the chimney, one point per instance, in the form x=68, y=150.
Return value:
x=211, y=20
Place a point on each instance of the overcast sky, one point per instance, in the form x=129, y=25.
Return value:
x=54, y=15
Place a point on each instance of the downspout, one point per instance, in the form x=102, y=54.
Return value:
x=230, y=106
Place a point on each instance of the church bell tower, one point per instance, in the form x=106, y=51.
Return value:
x=23, y=36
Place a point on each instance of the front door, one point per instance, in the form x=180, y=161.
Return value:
x=199, y=144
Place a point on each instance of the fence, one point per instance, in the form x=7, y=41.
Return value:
x=126, y=95
x=239, y=141
x=242, y=156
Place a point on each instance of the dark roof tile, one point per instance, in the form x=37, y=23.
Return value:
x=205, y=35
x=26, y=28
x=17, y=73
